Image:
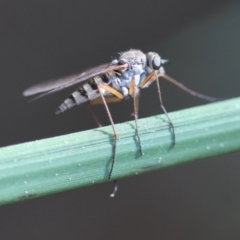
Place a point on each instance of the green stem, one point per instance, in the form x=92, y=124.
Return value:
x=61, y=163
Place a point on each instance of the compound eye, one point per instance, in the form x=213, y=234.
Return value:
x=156, y=62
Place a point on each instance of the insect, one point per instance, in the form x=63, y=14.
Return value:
x=120, y=79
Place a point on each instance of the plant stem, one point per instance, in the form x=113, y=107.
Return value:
x=66, y=162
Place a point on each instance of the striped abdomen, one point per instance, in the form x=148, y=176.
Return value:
x=87, y=92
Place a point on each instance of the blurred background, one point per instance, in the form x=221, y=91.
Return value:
x=40, y=40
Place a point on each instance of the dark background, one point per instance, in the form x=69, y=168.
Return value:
x=40, y=40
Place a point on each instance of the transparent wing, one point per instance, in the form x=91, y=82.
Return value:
x=55, y=85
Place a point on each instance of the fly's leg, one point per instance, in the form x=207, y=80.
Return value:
x=115, y=189
x=113, y=91
x=188, y=90
x=89, y=105
x=132, y=92
x=99, y=101
x=153, y=76
x=114, y=131
x=135, y=100
x=164, y=110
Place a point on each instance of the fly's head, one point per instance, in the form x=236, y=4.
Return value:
x=135, y=59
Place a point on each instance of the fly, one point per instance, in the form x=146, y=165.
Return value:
x=120, y=79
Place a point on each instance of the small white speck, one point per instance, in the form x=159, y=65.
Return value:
x=136, y=173
x=237, y=106
x=221, y=144
x=208, y=147
x=83, y=147
x=69, y=178
x=79, y=164
x=26, y=192
x=25, y=182
x=92, y=181
x=50, y=161
x=56, y=174
x=66, y=142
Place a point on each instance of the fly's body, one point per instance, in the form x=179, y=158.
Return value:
x=139, y=66
x=120, y=79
